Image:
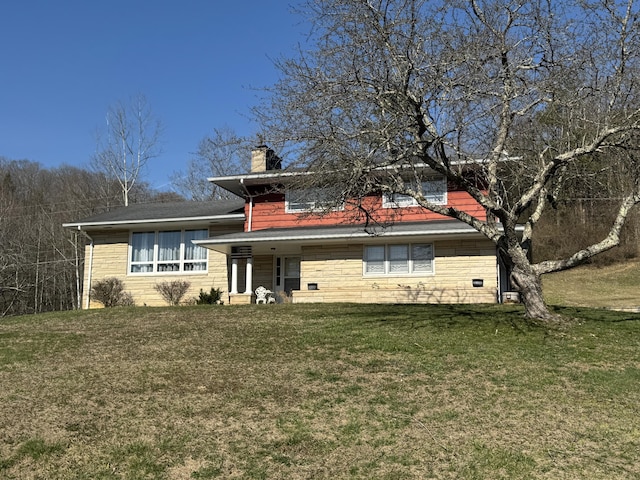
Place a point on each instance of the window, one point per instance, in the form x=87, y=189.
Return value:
x=434, y=190
x=309, y=200
x=195, y=257
x=142, y=248
x=374, y=259
x=167, y=251
x=402, y=259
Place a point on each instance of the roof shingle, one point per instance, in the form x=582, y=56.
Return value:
x=157, y=212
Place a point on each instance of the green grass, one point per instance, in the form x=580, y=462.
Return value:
x=613, y=286
x=319, y=391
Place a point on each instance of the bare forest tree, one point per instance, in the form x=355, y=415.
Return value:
x=223, y=153
x=513, y=101
x=41, y=262
x=130, y=139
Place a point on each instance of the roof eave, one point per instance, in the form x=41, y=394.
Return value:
x=224, y=245
x=237, y=184
x=236, y=217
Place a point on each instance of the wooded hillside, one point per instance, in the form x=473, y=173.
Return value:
x=41, y=263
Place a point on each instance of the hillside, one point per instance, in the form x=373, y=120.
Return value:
x=318, y=391
x=613, y=286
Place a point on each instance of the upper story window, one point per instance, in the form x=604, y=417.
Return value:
x=434, y=190
x=310, y=200
x=400, y=259
x=167, y=251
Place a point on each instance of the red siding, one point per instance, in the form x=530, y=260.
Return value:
x=269, y=212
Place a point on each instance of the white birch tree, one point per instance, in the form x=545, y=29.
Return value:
x=508, y=99
x=131, y=138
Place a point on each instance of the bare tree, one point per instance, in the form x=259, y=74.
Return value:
x=40, y=261
x=223, y=153
x=130, y=139
x=510, y=100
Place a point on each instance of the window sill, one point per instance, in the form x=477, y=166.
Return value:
x=398, y=275
x=166, y=274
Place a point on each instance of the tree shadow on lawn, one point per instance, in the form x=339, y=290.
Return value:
x=476, y=315
x=602, y=315
x=442, y=315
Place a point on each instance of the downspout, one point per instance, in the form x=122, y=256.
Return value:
x=90, y=268
x=248, y=272
x=499, y=269
x=250, y=197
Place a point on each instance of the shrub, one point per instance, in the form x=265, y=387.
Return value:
x=214, y=297
x=110, y=293
x=173, y=291
x=126, y=300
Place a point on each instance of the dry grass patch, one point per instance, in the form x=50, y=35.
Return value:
x=301, y=392
x=613, y=286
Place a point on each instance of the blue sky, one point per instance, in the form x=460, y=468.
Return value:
x=198, y=63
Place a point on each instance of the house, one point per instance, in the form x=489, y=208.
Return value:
x=275, y=237
x=303, y=256
x=146, y=244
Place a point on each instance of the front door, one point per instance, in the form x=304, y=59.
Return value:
x=287, y=274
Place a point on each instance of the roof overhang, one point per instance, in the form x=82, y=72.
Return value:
x=158, y=223
x=272, y=240
x=237, y=184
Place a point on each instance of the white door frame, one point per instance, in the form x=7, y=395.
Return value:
x=279, y=271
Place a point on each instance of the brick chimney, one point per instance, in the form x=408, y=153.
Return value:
x=263, y=159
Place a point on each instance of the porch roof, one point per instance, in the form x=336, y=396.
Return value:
x=271, y=237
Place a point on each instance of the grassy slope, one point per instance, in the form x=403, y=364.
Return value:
x=615, y=286
x=293, y=392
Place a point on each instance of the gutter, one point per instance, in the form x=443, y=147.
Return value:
x=127, y=223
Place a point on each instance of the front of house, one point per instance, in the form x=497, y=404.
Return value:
x=275, y=237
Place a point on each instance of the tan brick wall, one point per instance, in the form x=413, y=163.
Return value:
x=110, y=259
x=338, y=272
x=337, y=269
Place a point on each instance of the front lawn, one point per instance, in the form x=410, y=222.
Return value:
x=318, y=391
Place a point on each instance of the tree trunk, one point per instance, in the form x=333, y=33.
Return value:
x=530, y=286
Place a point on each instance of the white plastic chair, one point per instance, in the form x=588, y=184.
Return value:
x=264, y=295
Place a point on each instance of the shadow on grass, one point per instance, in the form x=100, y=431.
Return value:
x=454, y=316
x=596, y=314
x=443, y=315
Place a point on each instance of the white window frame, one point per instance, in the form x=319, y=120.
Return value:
x=298, y=206
x=182, y=263
x=413, y=264
x=433, y=189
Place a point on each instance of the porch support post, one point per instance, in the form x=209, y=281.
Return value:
x=249, y=276
x=234, y=275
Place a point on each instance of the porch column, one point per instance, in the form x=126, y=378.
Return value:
x=249, y=276
x=234, y=275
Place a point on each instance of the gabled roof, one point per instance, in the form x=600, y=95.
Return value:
x=152, y=214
